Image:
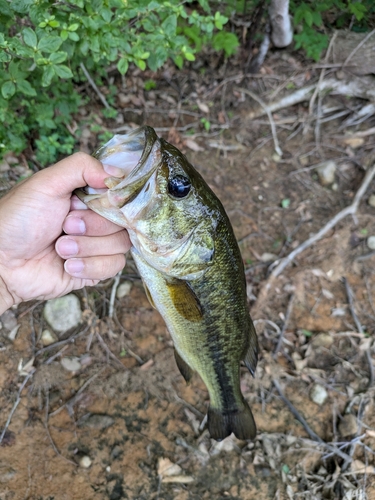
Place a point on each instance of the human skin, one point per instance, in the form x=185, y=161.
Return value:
x=50, y=243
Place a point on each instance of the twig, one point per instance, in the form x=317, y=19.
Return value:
x=362, y=42
x=50, y=437
x=71, y=402
x=287, y=316
x=108, y=351
x=349, y=294
x=113, y=294
x=94, y=86
x=309, y=431
x=268, y=111
x=349, y=210
x=16, y=403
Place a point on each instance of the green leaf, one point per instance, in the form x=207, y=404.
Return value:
x=29, y=37
x=141, y=64
x=358, y=10
x=308, y=18
x=306, y=333
x=189, y=56
x=4, y=57
x=179, y=61
x=8, y=89
x=58, y=57
x=4, y=8
x=63, y=71
x=169, y=25
x=64, y=35
x=123, y=65
x=54, y=24
x=73, y=27
x=48, y=74
x=26, y=88
x=285, y=202
x=220, y=20
x=74, y=36
x=49, y=43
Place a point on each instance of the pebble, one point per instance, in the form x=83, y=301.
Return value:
x=322, y=340
x=97, y=421
x=318, y=394
x=371, y=200
x=71, y=363
x=63, y=313
x=268, y=257
x=85, y=462
x=124, y=289
x=371, y=242
x=326, y=172
x=48, y=338
x=8, y=320
x=348, y=425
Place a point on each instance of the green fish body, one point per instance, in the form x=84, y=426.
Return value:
x=187, y=255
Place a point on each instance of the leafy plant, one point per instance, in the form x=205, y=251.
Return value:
x=44, y=44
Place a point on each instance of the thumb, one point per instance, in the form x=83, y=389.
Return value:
x=75, y=171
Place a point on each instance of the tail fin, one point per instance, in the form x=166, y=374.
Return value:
x=222, y=423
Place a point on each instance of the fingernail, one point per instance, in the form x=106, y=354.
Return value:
x=67, y=247
x=74, y=266
x=77, y=204
x=74, y=225
x=113, y=171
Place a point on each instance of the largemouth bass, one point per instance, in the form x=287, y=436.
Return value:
x=187, y=255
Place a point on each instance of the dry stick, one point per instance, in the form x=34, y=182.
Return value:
x=93, y=85
x=16, y=403
x=268, y=111
x=49, y=434
x=309, y=431
x=108, y=351
x=113, y=294
x=350, y=210
x=349, y=294
x=287, y=316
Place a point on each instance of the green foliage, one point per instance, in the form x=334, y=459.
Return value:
x=43, y=44
x=308, y=17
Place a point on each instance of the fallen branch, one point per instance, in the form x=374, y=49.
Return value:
x=356, y=87
x=350, y=210
x=94, y=86
x=333, y=449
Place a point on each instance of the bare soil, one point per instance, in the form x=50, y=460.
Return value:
x=128, y=409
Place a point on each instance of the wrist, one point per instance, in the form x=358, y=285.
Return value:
x=6, y=299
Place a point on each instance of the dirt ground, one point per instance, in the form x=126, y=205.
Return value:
x=126, y=426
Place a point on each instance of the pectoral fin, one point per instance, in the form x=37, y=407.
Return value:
x=184, y=368
x=148, y=294
x=185, y=300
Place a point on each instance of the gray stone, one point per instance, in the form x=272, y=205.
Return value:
x=96, y=421
x=326, y=172
x=48, y=337
x=371, y=200
x=8, y=320
x=371, y=242
x=63, y=313
x=318, y=394
x=124, y=289
x=348, y=425
x=71, y=363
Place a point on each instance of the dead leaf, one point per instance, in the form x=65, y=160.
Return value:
x=168, y=468
x=354, y=142
x=203, y=107
x=194, y=146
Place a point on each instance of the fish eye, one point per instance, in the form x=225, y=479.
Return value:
x=179, y=186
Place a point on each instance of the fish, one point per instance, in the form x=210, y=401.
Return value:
x=188, y=258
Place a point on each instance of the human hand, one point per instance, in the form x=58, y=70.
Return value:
x=37, y=261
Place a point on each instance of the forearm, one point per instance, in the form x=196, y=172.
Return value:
x=6, y=299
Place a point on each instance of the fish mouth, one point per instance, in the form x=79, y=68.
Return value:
x=138, y=154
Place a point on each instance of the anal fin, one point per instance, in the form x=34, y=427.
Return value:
x=184, y=368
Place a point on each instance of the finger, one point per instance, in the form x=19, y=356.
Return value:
x=77, y=204
x=89, y=223
x=90, y=246
x=95, y=268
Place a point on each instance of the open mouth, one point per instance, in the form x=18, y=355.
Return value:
x=137, y=154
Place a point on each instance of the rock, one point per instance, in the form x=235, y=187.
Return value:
x=322, y=340
x=326, y=172
x=371, y=200
x=85, y=462
x=268, y=257
x=318, y=394
x=348, y=425
x=71, y=363
x=371, y=242
x=8, y=320
x=63, y=313
x=96, y=421
x=124, y=289
x=48, y=338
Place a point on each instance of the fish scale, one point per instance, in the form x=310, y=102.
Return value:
x=190, y=263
